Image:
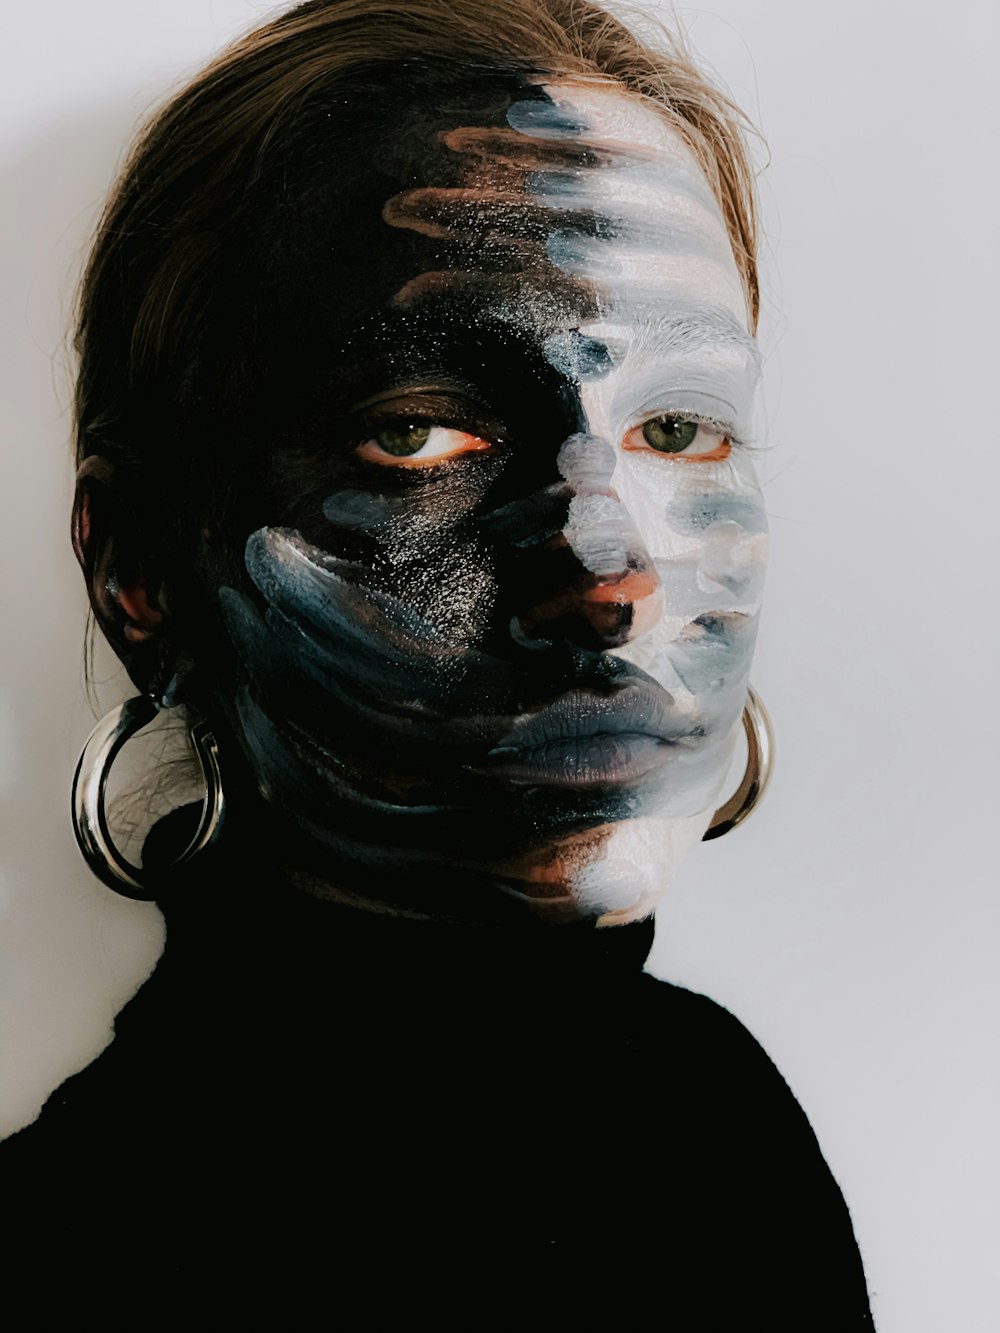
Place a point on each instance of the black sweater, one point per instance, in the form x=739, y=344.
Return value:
x=435, y=1086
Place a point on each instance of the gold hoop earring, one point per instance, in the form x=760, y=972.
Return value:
x=90, y=823
x=760, y=758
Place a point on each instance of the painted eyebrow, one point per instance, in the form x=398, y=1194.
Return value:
x=660, y=349
x=696, y=330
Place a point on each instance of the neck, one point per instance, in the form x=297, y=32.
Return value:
x=244, y=889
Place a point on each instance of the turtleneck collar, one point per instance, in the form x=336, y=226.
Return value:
x=234, y=899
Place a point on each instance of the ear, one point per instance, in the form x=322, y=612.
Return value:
x=126, y=594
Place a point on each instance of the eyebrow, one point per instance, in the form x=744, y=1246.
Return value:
x=657, y=354
x=695, y=330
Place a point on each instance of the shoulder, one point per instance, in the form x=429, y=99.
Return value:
x=693, y=1025
x=715, y=1064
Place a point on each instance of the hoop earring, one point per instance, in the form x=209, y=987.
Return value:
x=760, y=757
x=90, y=823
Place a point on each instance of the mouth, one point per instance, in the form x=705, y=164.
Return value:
x=585, y=739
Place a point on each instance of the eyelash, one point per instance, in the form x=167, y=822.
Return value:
x=723, y=427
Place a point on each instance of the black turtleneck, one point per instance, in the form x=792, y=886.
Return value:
x=441, y=1085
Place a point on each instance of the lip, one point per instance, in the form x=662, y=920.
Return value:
x=586, y=739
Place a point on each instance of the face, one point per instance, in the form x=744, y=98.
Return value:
x=491, y=623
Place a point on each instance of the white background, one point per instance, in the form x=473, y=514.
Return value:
x=852, y=924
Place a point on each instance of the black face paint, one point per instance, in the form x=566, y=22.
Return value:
x=430, y=663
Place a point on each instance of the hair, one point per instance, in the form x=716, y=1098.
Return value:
x=186, y=186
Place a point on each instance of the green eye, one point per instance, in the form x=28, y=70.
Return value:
x=669, y=434
x=407, y=440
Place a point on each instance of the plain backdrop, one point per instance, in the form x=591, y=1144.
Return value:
x=852, y=924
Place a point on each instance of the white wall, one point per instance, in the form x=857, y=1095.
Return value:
x=852, y=925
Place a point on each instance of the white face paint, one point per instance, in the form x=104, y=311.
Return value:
x=673, y=315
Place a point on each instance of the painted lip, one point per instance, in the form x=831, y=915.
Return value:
x=587, y=739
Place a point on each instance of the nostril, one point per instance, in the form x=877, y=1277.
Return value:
x=640, y=589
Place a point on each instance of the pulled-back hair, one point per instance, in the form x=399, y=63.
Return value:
x=186, y=187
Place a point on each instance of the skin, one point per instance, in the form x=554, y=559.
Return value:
x=500, y=676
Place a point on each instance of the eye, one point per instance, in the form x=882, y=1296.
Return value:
x=418, y=444
x=684, y=440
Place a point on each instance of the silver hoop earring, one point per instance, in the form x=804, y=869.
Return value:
x=90, y=823
x=760, y=756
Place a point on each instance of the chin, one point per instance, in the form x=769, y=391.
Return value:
x=611, y=875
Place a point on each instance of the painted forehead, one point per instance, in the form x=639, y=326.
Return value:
x=571, y=217
x=594, y=223
x=582, y=183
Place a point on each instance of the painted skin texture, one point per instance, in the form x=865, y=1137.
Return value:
x=504, y=673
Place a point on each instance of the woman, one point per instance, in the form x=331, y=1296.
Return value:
x=416, y=371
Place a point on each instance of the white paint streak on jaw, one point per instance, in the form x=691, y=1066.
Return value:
x=635, y=866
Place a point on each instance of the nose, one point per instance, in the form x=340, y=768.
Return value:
x=592, y=583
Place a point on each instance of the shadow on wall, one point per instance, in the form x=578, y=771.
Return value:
x=71, y=953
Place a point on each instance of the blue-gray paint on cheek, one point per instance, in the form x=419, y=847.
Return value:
x=712, y=656
x=360, y=509
x=348, y=626
x=692, y=589
x=698, y=513
x=324, y=624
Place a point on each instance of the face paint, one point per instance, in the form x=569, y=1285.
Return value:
x=494, y=637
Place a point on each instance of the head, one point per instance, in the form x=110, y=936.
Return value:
x=417, y=366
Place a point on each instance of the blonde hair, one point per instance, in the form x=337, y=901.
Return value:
x=143, y=293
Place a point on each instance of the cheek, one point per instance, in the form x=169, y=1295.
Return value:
x=442, y=572
x=706, y=530
x=705, y=527
x=414, y=538
x=420, y=550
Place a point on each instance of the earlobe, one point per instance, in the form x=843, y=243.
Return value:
x=143, y=617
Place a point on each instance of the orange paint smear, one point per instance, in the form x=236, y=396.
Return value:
x=633, y=587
